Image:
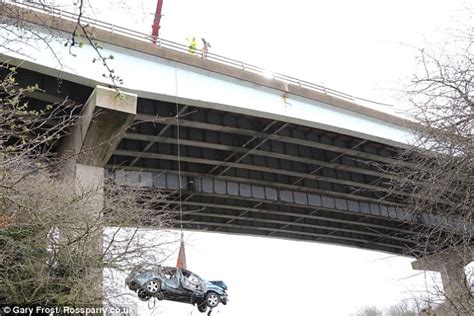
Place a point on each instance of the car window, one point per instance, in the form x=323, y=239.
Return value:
x=169, y=273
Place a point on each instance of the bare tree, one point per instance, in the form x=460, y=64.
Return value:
x=48, y=239
x=437, y=170
x=401, y=309
x=19, y=22
x=50, y=253
x=369, y=311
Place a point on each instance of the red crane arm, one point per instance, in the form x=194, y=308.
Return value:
x=156, y=22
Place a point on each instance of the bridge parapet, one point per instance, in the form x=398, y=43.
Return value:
x=172, y=75
x=50, y=11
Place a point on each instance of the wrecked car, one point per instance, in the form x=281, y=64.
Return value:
x=176, y=284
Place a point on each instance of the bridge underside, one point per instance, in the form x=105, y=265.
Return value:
x=255, y=176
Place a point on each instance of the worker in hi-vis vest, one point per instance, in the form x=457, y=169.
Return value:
x=192, y=46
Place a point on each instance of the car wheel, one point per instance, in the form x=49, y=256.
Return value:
x=212, y=299
x=202, y=307
x=143, y=295
x=153, y=286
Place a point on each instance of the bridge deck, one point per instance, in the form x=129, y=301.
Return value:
x=168, y=72
x=246, y=171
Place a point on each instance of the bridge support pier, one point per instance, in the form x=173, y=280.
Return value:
x=89, y=184
x=456, y=290
x=86, y=150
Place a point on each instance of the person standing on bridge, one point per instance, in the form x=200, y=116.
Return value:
x=205, y=47
x=192, y=46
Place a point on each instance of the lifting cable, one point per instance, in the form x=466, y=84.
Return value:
x=181, y=262
x=179, y=154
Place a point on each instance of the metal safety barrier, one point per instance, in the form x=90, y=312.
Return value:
x=184, y=48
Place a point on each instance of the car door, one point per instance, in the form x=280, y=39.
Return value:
x=192, y=282
x=171, y=280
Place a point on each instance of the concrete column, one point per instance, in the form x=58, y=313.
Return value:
x=91, y=179
x=89, y=183
x=450, y=264
x=104, y=118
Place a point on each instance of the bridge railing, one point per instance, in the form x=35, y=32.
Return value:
x=184, y=48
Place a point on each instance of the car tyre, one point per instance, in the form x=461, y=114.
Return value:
x=153, y=286
x=143, y=295
x=202, y=307
x=212, y=299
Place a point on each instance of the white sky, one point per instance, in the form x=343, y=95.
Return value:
x=365, y=48
x=280, y=277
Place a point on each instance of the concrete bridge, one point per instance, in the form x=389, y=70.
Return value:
x=253, y=154
x=257, y=155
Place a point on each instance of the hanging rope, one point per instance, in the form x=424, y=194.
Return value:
x=179, y=152
x=181, y=262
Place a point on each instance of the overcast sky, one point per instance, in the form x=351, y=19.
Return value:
x=364, y=48
x=280, y=278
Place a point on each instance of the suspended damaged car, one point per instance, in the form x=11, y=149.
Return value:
x=176, y=284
